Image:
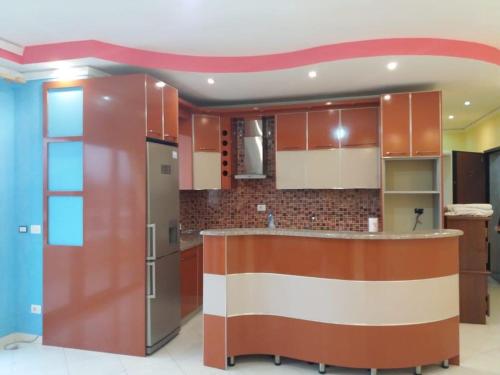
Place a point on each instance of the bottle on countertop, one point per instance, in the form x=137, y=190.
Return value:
x=270, y=220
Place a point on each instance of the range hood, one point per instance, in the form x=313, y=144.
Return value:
x=254, y=148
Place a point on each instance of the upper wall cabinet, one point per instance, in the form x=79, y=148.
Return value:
x=411, y=124
x=154, y=108
x=395, y=125
x=291, y=131
x=359, y=127
x=323, y=129
x=206, y=132
x=185, y=153
x=426, y=123
x=170, y=114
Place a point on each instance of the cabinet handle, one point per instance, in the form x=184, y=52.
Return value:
x=323, y=147
x=292, y=148
x=206, y=149
x=426, y=152
x=389, y=153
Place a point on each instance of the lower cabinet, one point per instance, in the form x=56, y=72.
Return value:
x=191, y=280
x=206, y=170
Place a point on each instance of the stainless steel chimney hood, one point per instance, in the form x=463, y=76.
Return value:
x=254, y=143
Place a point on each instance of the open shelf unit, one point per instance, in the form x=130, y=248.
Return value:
x=409, y=183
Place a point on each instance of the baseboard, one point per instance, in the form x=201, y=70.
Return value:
x=18, y=336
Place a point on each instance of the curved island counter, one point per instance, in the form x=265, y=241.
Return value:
x=350, y=299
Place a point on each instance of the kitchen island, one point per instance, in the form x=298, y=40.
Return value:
x=351, y=299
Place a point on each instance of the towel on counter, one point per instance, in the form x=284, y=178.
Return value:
x=473, y=209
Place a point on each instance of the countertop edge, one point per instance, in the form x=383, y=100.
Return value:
x=438, y=233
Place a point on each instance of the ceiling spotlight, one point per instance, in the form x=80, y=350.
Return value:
x=312, y=74
x=328, y=103
x=210, y=81
x=451, y=117
x=387, y=97
x=160, y=84
x=467, y=103
x=392, y=65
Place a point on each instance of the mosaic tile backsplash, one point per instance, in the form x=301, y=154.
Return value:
x=342, y=210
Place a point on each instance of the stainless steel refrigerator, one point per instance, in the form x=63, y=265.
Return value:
x=163, y=249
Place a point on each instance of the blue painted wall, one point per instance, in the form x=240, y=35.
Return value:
x=8, y=269
x=28, y=202
x=21, y=197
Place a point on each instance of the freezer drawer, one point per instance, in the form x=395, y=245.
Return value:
x=162, y=301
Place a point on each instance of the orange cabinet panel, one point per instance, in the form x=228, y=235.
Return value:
x=206, y=131
x=291, y=131
x=199, y=250
x=323, y=129
x=426, y=123
x=395, y=125
x=185, y=154
x=360, y=127
x=154, y=108
x=189, y=281
x=170, y=114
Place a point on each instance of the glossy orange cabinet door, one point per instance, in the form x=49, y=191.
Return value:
x=323, y=129
x=395, y=126
x=360, y=127
x=426, y=123
x=199, y=250
x=154, y=108
x=185, y=153
x=206, y=130
x=291, y=131
x=189, y=281
x=170, y=114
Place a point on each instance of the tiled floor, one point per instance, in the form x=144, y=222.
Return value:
x=480, y=355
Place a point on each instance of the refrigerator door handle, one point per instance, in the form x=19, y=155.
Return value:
x=151, y=241
x=151, y=280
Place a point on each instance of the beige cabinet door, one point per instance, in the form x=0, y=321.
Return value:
x=360, y=168
x=323, y=169
x=291, y=169
x=206, y=170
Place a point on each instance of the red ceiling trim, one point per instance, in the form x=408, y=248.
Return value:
x=240, y=64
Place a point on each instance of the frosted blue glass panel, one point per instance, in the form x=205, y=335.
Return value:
x=65, y=166
x=65, y=112
x=65, y=221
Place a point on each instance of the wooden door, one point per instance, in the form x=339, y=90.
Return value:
x=154, y=108
x=291, y=131
x=360, y=127
x=426, y=123
x=469, y=177
x=323, y=129
x=189, y=281
x=206, y=132
x=170, y=114
x=395, y=124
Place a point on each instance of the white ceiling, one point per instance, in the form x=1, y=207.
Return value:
x=229, y=27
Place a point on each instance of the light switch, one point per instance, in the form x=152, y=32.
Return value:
x=36, y=309
x=35, y=229
x=261, y=208
x=23, y=229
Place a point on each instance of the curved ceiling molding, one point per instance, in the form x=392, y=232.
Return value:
x=241, y=64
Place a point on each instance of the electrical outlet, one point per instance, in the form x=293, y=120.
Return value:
x=261, y=208
x=36, y=309
x=35, y=229
x=23, y=229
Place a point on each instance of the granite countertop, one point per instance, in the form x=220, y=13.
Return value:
x=190, y=239
x=422, y=234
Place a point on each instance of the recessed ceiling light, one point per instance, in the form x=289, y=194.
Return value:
x=328, y=103
x=451, y=117
x=210, y=81
x=387, y=97
x=312, y=74
x=160, y=84
x=392, y=65
x=467, y=103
